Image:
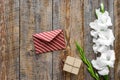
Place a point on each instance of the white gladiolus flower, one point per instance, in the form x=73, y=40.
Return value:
x=97, y=26
x=103, y=48
x=100, y=48
x=98, y=12
x=103, y=39
x=94, y=33
x=107, y=34
x=105, y=71
x=103, y=18
x=100, y=66
x=102, y=23
x=109, y=58
x=101, y=63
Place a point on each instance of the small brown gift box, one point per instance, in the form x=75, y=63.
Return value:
x=72, y=65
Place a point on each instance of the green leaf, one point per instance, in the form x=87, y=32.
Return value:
x=90, y=71
x=87, y=62
x=96, y=74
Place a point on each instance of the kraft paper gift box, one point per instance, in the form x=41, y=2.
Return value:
x=72, y=65
x=49, y=41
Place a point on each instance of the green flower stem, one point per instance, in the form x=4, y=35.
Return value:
x=102, y=9
x=106, y=77
x=87, y=62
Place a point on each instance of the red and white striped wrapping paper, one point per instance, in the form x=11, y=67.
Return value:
x=49, y=41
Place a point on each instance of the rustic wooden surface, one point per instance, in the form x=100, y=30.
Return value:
x=20, y=19
x=117, y=35
x=9, y=40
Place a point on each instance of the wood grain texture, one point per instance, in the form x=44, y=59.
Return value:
x=76, y=32
x=60, y=17
x=9, y=40
x=67, y=14
x=59, y=8
x=3, y=48
x=36, y=16
x=89, y=16
x=20, y=19
x=109, y=5
x=117, y=36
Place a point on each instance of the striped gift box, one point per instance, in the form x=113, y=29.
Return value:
x=49, y=41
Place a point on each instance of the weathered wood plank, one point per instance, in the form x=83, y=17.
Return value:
x=60, y=17
x=68, y=15
x=3, y=48
x=44, y=15
x=36, y=16
x=9, y=40
x=76, y=32
x=117, y=36
x=109, y=4
x=89, y=16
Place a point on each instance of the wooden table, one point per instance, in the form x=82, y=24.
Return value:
x=19, y=19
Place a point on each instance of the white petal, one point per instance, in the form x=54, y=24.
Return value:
x=95, y=48
x=98, y=12
x=100, y=48
x=98, y=64
x=105, y=71
x=94, y=25
x=104, y=20
x=107, y=34
x=94, y=40
x=108, y=19
x=110, y=63
x=111, y=54
x=105, y=38
x=94, y=33
x=103, y=48
x=109, y=23
x=104, y=42
x=109, y=58
x=106, y=13
x=95, y=65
